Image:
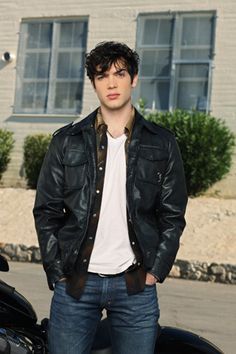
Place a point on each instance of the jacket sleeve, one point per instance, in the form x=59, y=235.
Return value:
x=49, y=211
x=171, y=211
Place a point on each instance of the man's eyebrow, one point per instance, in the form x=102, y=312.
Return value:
x=121, y=69
x=100, y=73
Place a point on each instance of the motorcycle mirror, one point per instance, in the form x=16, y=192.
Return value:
x=4, y=267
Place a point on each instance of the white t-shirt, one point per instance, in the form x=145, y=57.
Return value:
x=112, y=252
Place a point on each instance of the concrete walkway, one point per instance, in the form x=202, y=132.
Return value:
x=204, y=308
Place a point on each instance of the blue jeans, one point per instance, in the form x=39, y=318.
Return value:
x=132, y=318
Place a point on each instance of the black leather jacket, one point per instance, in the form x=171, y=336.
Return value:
x=156, y=195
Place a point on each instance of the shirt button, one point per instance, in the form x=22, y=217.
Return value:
x=133, y=243
x=100, y=168
x=76, y=252
x=94, y=215
x=97, y=191
x=85, y=260
x=102, y=147
x=139, y=263
x=90, y=237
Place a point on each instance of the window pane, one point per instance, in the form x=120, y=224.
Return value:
x=197, y=31
x=39, y=35
x=75, y=97
x=165, y=32
x=45, y=35
x=63, y=66
x=155, y=94
x=147, y=93
x=66, y=33
x=77, y=65
x=28, y=95
x=150, y=31
x=61, y=99
x=79, y=36
x=68, y=95
x=163, y=63
x=32, y=35
x=41, y=96
x=43, y=65
x=196, y=54
x=73, y=34
x=162, y=96
x=37, y=65
x=70, y=65
x=192, y=95
x=158, y=31
x=155, y=63
x=30, y=69
x=147, y=67
x=193, y=70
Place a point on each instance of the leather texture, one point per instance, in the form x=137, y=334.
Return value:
x=156, y=195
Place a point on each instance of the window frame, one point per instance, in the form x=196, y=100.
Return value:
x=52, y=79
x=175, y=47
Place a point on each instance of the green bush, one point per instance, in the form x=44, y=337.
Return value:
x=6, y=146
x=35, y=148
x=206, y=144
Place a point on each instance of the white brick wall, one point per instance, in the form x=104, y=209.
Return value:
x=109, y=20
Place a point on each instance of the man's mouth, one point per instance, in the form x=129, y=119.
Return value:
x=113, y=96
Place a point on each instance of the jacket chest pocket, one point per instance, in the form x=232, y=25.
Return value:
x=75, y=164
x=151, y=165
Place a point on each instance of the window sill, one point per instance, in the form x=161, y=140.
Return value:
x=43, y=118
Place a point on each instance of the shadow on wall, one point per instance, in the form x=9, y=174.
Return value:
x=2, y=64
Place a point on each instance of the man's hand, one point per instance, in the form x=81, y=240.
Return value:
x=150, y=279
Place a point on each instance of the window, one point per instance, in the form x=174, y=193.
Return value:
x=176, y=60
x=50, y=67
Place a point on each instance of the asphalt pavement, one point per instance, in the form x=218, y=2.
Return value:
x=207, y=309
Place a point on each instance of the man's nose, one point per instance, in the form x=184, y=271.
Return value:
x=112, y=81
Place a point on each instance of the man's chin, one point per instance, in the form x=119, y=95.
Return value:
x=116, y=106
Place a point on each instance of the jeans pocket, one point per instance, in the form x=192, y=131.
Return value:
x=150, y=285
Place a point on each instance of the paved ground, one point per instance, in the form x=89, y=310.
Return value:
x=206, y=309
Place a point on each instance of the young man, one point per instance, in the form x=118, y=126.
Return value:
x=109, y=212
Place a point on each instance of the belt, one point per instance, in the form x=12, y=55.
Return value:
x=109, y=275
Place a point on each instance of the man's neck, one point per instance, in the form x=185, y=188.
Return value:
x=116, y=120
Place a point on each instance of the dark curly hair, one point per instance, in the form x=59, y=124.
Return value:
x=100, y=59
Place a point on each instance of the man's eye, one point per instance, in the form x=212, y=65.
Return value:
x=100, y=77
x=121, y=73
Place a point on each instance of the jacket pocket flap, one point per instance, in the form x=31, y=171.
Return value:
x=74, y=158
x=152, y=154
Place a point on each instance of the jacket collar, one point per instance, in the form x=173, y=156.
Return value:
x=89, y=122
x=140, y=120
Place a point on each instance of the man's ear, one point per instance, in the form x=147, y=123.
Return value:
x=135, y=81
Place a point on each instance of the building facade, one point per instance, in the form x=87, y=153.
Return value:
x=187, y=52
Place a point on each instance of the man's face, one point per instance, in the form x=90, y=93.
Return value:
x=114, y=87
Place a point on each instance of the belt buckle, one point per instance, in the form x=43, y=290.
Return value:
x=103, y=275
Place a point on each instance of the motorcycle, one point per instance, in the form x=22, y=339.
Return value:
x=20, y=332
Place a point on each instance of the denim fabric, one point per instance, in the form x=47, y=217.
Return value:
x=132, y=318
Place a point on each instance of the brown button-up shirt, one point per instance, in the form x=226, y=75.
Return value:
x=135, y=274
